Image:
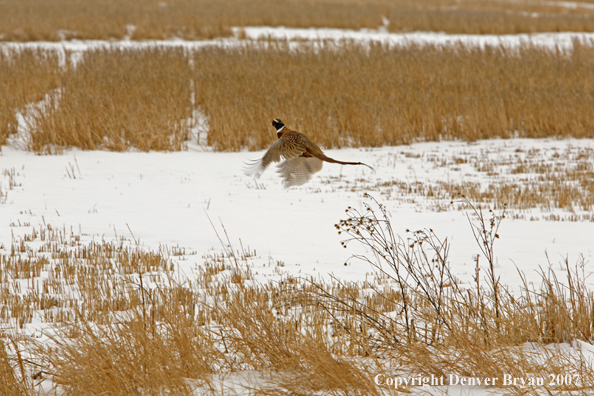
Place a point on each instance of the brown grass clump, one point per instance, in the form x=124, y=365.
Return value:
x=272, y=330
x=118, y=100
x=11, y=383
x=155, y=352
x=29, y=20
x=354, y=95
x=26, y=76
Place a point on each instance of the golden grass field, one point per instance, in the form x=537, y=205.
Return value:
x=359, y=96
x=26, y=20
x=352, y=96
x=116, y=100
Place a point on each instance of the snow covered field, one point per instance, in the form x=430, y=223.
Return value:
x=166, y=199
x=183, y=199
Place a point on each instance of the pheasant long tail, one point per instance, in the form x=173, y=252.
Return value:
x=332, y=160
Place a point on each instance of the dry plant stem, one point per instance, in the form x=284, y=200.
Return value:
x=226, y=246
x=11, y=382
x=416, y=269
x=336, y=306
x=485, y=238
x=569, y=307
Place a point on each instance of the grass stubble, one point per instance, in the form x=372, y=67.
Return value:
x=123, y=324
x=35, y=20
x=533, y=183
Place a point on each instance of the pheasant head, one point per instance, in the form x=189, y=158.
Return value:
x=279, y=126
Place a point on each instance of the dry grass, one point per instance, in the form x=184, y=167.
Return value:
x=438, y=309
x=130, y=329
x=26, y=76
x=486, y=324
x=142, y=352
x=537, y=178
x=26, y=20
x=118, y=100
x=13, y=384
x=339, y=95
x=354, y=95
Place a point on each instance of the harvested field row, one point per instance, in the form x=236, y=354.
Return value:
x=33, y=20
x=347, y=96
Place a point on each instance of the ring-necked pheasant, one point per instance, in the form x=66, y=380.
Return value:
x=302, y=157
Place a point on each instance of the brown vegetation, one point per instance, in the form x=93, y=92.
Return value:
x=354, y=95
x=31, y=20
x=339, y=95
x=118, y=100
x=26, y=76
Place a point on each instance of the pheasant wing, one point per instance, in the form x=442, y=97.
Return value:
x=298, y=171
x=282, y=148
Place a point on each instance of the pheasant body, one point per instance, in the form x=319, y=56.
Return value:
x=302, y=157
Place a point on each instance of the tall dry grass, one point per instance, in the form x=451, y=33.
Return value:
x=26, y=20
x=339, y=95
x=11, y=378
x=354, y=95
x=38, y=20
x=118, y=100
x=161, y=351
x=26, y=76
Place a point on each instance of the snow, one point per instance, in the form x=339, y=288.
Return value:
x=168, y=198
x=551, y=40
x=561, y=40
